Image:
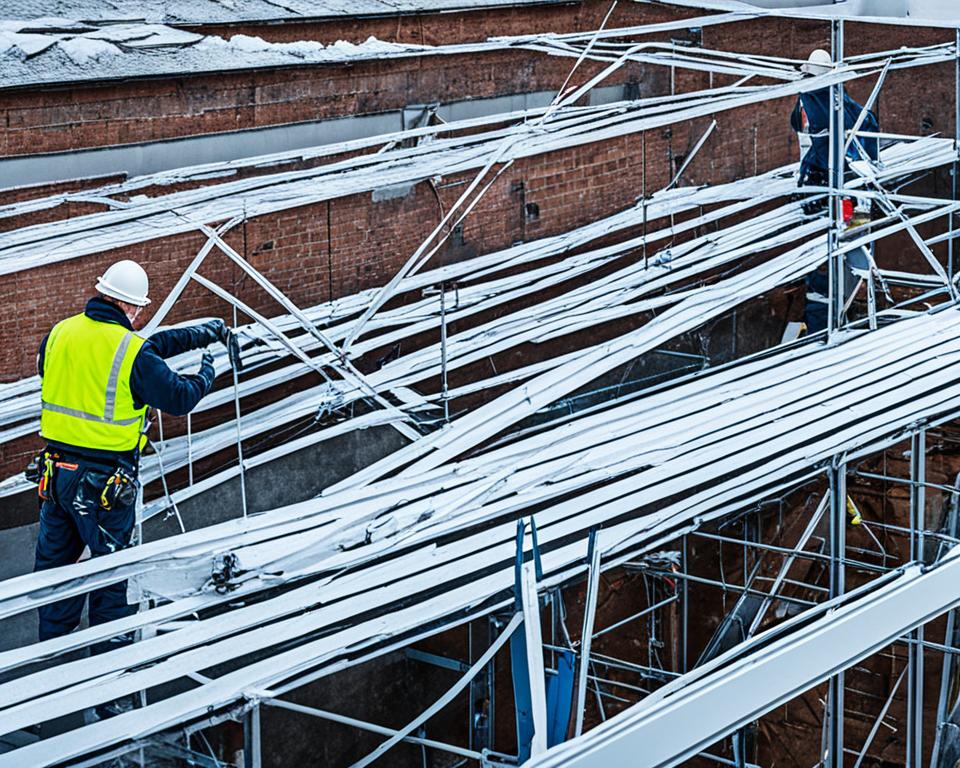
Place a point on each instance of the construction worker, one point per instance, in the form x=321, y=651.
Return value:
x=98, y=378
x=811, y=120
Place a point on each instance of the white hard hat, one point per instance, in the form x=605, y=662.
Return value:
x=817, y=63
x=126, y=281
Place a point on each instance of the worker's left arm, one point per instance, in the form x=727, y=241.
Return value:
x=173, y=341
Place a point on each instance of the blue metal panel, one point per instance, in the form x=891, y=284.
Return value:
x=560, y=697
x=523, y=701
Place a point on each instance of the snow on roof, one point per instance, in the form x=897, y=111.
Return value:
x=54, y=50
x=229, y=11
x=934, y=13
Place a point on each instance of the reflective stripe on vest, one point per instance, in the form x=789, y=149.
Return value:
x=86, y=397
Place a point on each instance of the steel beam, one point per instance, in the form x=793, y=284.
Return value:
x=835, y=257
x=534, y=638
x=251, y=738
x=586, y=636
x=838, y=520
x=918, y=453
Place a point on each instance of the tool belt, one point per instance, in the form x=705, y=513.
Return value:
x=40, y=470
x=120, y=490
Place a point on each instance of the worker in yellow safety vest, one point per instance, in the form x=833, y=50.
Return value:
x=98, y=379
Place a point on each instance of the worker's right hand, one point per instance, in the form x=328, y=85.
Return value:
x=207, y=371
x=218, y=330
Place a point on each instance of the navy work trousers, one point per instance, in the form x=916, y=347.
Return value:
x=70, y=519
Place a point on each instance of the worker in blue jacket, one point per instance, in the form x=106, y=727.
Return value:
x=811, y=120
x=98, y=379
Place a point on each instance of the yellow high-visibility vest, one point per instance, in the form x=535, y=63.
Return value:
x=85, y=391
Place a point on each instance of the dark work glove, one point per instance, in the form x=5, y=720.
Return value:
x=217, y=330
x=211, y=331
x=233, y=350
x=207, y=372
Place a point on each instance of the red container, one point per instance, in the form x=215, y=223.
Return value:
x=847, y=209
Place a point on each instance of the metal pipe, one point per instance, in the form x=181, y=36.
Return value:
x=838, y=520
x=877, y=722
x=236, y=407
x=586, y=636
x=693, y=153
x=795, y=583
x=867, y=107
x=787, y=564
x=733, y=587
x=949, y=633
x=251, y=739
x=611, y=661
x=927, y=534
x=930, y=645
x=448, y=696
x=723, y=760
x=905, y=481
x=189, y=450
x=363, y=725
x=918, y=454
x=956, y=147
x=644, y=612
x=685, y=605
x=835, y=182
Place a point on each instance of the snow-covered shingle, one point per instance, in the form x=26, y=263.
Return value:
x=64, y=50
x=231, y=11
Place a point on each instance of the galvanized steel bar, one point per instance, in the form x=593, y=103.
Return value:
x=586, y=634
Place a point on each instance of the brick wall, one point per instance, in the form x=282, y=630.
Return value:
x=460, y=27
x=20, y=194
x=50, y=120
